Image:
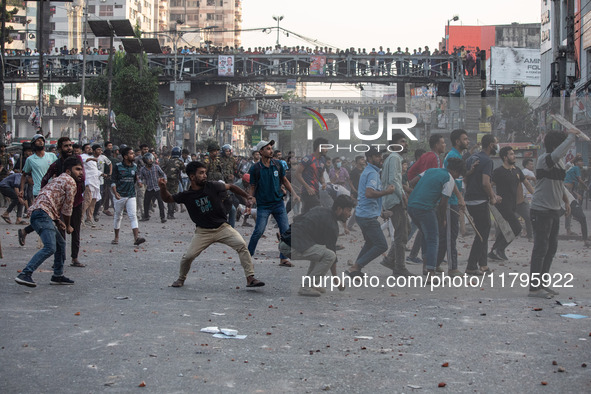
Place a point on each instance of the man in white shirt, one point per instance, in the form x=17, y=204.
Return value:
x=92, y=192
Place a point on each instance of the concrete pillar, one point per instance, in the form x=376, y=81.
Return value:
x=179, y=89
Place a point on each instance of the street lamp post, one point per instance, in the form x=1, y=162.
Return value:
x=278, y=19
x=455, y=18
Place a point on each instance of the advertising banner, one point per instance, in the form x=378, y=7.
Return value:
x=510, y=66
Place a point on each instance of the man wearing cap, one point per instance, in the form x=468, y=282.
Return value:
x=369, y=208
x=266, y=178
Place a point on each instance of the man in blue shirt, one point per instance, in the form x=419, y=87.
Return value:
x=266, y=178
x=571, y=182
x=460, y=142
x=369, y=208
x=433, y=190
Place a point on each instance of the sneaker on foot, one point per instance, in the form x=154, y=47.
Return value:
x=246, y=224
x=403, y=272
x=163, y=220
x=454, y=273
x=493, y=256
x=60, y=280
x=550, y=291
x=308, y=292
x=25, y=279
x=414, y=260
x=502, y=255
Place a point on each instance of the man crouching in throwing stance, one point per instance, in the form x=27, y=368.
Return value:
x=205, y=203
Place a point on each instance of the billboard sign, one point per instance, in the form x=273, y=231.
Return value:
x=510, y=66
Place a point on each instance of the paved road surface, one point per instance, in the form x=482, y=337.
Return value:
x=121, y=324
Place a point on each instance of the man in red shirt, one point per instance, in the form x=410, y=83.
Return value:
x=55, y=199
x=430, y=159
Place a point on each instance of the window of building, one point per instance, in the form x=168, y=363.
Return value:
x=176, y=3
x=52, y=26
x=211, y=2
x=175, y=17
x=221, y=3
x=118, y=5
x=193, y=4
x=105, y=10
x=219, y=17
x=210, y=17
x=104, y=42
x=91, y=9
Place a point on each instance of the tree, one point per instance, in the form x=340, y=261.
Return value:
x=517, y=115
x=134, y=99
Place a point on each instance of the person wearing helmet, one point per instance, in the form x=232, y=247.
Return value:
x=173, y=167
x=149, y=175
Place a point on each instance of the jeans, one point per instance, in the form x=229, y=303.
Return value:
x=232, y=216
x=523, y=211
x=454, y=226
x=511, y=218
x=53, y=244
x=10, y=193
x=396, y=254
x=479, y=251
x=426, y=221
x=375, y=242
x=545, y=225
x=75, y=222
x=263, y=213
x=150, y=196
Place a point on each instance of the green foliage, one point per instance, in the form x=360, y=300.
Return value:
x=518, y=116
x=134, y=99
x=202, y=145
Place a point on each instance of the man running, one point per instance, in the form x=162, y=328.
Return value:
x=205, y=203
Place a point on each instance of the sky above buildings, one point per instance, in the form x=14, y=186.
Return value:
x=361, y=24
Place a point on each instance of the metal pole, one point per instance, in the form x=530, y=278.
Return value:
x=82, y=128
x=447, y=38
x=2, y=125
x=278, y=30
x=110, y=85
x=41, y=47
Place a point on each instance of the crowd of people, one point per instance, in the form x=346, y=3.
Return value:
x=67, y=187
x=378, y=61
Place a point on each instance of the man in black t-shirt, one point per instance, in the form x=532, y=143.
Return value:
x=205, y=203
x=506, y=179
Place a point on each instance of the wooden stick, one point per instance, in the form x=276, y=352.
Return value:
x=560, y=119
x=471, y=222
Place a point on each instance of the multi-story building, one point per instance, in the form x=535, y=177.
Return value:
x=67, y=21
x=195, y=15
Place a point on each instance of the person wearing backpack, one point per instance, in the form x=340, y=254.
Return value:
x=266, y=178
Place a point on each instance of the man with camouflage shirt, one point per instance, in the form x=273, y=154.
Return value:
x=213, y=164
x=229, y=169
x=173, y=168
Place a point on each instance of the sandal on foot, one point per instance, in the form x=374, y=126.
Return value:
x=22, y=222
x=286, y=264
x=77, y=264
x=178, y=283
x=6, y=219
x=252, y=282
x=21, y=237
x=115, y=242
x=139, y=241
